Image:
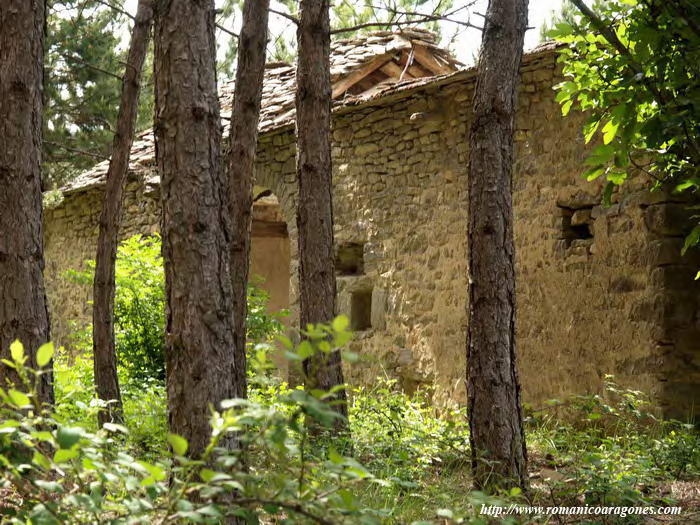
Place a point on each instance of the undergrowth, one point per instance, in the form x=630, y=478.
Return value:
x=406, y=462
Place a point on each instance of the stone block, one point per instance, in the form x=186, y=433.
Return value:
x=580, y=217
x=664, y=251
x=578, y=199
x=668, y=218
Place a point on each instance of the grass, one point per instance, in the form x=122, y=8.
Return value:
x=595, y=450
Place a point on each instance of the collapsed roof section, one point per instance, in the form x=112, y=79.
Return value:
x=361, y=68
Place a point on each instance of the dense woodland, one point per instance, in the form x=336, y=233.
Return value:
x=170, y=410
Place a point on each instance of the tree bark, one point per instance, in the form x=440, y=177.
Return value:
x=23, y=310
x=196, y=227
x=104, y=352
x=499, y=457
x=317, y=286
x=243, y=144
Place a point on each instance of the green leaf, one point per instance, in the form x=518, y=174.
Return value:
x=609, y=131
x=589, y=130
x=9, y=426
x=178, y=443
x=113, y=427
x=19, y=399
x=594, y=172
x=691, y=240
x=692, y=182
x=207, y=475
x=157, y=473
x=334, y=457
x=566, y=107
x=63, y=455
x=41, y=460
x=341, y=323
x=44, y=354
x=17, y=351
x=600, y=155
x=68, y=436
x=49, y=486
x=607, y=194
x=210, y=510
x=305, y=350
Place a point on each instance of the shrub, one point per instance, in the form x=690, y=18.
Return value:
x=614, y=450
x=139, y=309
x=53, y=472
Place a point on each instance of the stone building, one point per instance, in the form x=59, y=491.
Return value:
x=600, y=290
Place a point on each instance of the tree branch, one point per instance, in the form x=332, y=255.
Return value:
x=613, y=40
x=422, y=18
x=76, y=150
x=426, y=18
x=680, y=12
x=116, y=8
x=78, y=60
x=292, y=18
x=227, y=31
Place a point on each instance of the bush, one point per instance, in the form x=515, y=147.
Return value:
x=139, y=310
x=54, y=473
x=614, y=450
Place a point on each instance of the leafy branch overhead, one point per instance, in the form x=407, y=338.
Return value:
x=633, y=67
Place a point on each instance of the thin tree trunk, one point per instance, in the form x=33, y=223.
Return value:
x=105, y=361
x=23, y=310
x=243, y=143
x=499, y=457
x=317, y=286
x=196, y=227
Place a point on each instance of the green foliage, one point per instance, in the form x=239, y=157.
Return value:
x=56, y=472
x=405, y=433
x=641, y=89
x=139, y=309
x=410, y=461
x=566, y=14
x=614, y=450
x=83, y=65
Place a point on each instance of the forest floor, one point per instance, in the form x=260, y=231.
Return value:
x=409, y=462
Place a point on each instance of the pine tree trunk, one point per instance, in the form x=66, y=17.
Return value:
x=243, y=144
x=105, y=361
x=499, y=457
x=317, y=286
x=23, y=309
x=196, y=227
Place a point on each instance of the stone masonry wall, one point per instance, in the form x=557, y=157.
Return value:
x=600, y=290
x=70, y=238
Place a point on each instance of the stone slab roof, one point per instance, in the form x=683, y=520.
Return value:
x=364, y=70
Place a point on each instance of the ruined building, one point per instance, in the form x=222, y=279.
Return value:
x=600, y=290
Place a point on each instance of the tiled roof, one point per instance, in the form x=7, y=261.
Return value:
x=374, y=56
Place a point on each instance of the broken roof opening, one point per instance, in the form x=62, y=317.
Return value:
x=364, y=70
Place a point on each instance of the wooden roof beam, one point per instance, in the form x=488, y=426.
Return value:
x=342, y=85
x=429, y=62
x=394, y=71
x=419, y=71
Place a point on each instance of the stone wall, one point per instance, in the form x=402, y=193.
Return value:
x=70, y=238
x=600, y=290
x=71, y=231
